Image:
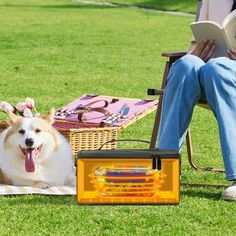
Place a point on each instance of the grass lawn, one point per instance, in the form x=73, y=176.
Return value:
x=169, y=5
x=55, y=51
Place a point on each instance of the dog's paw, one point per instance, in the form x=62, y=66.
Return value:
x=41, y=185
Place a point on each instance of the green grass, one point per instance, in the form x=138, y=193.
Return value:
x=55, y=51
x=169, y=5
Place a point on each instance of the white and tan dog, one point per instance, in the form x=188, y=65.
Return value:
x=33, y=153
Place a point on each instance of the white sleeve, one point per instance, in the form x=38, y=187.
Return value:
x=204, y=11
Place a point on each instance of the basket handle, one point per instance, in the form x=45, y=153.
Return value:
x=87, y=108
x=98, y=109
x=123, y=140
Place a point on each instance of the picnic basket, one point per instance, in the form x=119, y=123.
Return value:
x=85, y=135
x=3, y=125
x=88, y=138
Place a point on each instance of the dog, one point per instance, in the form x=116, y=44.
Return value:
x=33, y=153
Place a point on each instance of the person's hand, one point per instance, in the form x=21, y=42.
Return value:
x=204, y=49
x=232, y=54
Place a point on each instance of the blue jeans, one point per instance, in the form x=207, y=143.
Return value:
x=190, y=79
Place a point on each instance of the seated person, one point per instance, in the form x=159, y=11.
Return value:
x=196, y=76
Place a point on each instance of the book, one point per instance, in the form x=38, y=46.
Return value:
x=224, y=35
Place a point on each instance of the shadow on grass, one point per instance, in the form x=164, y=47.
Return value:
x=62, y=7
x=164, y=5
x=212, y=194
x=38, y=200
x=77, y=6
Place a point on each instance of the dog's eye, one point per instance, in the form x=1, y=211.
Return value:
x=21, y=131
x=37, y=130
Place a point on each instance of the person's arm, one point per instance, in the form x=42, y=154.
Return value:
x=232, y=54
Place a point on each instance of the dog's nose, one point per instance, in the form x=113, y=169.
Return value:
x=29, y=142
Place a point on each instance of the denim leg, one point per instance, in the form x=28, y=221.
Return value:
x=218, y=80
x=182, y=92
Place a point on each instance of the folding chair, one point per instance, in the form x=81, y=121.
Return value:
x=171, y=58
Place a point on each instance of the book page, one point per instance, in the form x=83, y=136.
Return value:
x=229, y=24
x=211, y=30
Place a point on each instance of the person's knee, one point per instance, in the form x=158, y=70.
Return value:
x=216, y=65
x=214, y=70
x=189, y=62
x=186, y=69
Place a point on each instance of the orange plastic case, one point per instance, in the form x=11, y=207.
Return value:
x=128, y=177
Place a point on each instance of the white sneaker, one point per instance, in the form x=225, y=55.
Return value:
x=230, y=193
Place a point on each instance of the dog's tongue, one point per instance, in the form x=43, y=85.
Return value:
x=29, y=160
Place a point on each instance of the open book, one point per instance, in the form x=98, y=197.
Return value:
x=224, y=35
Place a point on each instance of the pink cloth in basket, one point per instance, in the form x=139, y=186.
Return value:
x=134, y=108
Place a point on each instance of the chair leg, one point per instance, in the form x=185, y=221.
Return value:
x=159, y=107
x=191, y=158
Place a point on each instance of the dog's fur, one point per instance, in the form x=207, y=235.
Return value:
x=33, y=153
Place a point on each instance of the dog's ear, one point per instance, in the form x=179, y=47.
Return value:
x=49, y=117
x=13, y=119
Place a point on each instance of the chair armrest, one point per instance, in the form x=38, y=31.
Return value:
x=173, y=54
x=155, y=91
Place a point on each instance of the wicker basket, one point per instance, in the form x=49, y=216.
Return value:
x=3, y=125
x=85, y=138
x=90, y=138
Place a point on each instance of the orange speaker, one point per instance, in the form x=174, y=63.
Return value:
x=128, y=177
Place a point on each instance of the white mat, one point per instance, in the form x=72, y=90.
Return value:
x=16, y=190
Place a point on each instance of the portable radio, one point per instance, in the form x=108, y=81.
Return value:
x=128, y=177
